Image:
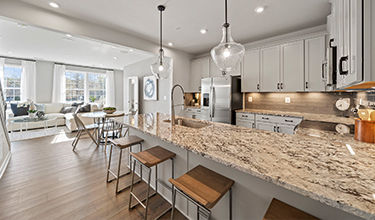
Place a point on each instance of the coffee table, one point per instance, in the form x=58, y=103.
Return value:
x=24, y=122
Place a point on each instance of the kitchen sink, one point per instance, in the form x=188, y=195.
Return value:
x=188, y=123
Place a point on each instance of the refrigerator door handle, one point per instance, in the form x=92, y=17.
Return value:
x=213, y=102
x=210, y=101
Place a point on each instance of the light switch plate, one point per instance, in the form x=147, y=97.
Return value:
x=250, y=99
x=287, y=100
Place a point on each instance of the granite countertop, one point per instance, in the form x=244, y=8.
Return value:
x=305, y=116
x=333, y=169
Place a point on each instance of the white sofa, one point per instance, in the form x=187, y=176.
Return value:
x=53, y=110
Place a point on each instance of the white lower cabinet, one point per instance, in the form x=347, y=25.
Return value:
x=280, y=124
x=266, y=126
x=245, y=120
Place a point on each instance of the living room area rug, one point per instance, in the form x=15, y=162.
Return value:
x=37, y=133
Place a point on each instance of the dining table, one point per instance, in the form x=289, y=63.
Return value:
x=99, y=119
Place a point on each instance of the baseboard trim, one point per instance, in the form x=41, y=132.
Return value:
x=4, y=166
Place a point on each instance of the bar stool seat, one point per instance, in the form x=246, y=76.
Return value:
x=204, y=188
x=153, y=156
x=122, y=143
x=150, y=158
x=125, y=142
x=279, y=210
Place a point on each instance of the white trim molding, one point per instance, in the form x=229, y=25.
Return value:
x=4, y=166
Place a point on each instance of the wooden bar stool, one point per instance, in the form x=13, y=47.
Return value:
x=204, y=188
x=149, y=158
x=122, y=143
x=279, y=210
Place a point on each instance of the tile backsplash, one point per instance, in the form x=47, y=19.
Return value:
x=313, y=102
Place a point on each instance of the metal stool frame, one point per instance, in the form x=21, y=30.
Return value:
x=145, y=206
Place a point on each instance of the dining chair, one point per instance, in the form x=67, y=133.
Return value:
x=82, y=128
x=113, y=129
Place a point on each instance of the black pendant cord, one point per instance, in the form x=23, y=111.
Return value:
x=226, y=24
x=161, y=38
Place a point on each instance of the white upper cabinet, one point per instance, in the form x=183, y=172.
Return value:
x=214, y=70
x=199, y=70
x=270, y=69
x=315, y=53
x=292, y=67
x=251, y=71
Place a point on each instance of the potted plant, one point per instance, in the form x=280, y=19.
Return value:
x=32, y=113
x=92, y=98
x=109, y=110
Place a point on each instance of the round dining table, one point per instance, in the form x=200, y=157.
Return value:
x=99, y=118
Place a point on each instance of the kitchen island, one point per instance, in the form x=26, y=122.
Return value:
x=325, y=174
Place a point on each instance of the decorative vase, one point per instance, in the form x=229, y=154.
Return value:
x=32, y=115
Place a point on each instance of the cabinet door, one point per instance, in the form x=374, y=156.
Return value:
x=199, y=70
x=266, y=126
x=285, y=129
x=270, y=69
x=251, y=71
x=314, y=64
x=292, y=67
x=214, y=70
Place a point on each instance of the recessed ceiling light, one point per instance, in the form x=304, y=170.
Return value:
x=259, y=9
x=115, y=58
x=131, y=50
x=203, y=31
x=54, y=5
x=68, y=35
x=170, y=44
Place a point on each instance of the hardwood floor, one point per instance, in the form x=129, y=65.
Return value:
x=45, y=179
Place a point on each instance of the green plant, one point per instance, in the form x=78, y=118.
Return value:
x=92, y=99
x=109, y=108
x=32, y=111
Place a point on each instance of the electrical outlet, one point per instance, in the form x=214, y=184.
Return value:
x=165, y=98
x=250, y=99
x=360, y=101
x=287, y=100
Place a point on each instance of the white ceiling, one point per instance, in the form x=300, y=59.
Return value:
x=140, y=17
x=36, y=43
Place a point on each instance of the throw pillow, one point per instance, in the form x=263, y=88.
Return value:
x=19, y=111
x=84, y=108
x=68, y=109
x=76, y=104
x=40, y=107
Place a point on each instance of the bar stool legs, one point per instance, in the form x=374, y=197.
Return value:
x=117, y=175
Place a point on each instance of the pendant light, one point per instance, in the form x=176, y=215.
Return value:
x=160, y=69
x=228, y=53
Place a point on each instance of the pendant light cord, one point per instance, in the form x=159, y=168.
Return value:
x=226, y=24
x=161, y=29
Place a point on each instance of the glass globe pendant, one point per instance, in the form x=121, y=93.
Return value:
x=228, y=53
x=161, y=68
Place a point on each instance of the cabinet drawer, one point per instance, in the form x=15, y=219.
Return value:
x=245, y=116
x=292, y=121
x=245, y=123
x=267, y=118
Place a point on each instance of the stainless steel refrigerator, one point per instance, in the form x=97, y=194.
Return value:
x=220, y=97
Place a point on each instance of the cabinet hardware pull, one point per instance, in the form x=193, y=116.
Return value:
x=274, y=128
x=278, y=129
x=258, y=86
x=342, y=60
x=281, y=85
x=323, y=65
x=288, y=120
x=265, y=118
x=278, y=85
x=307, y=85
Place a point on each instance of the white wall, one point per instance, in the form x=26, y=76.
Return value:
x=140, y=70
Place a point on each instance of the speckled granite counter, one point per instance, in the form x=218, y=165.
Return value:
x=305, y=116
x=313, y=163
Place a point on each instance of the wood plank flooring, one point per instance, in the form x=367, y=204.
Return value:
x=45, y=179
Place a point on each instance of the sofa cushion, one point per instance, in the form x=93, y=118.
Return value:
x=76, y=104
x=68, y=109
x=19, y=111
x=57, y=115
x=84, y=108
x=53, y=107
x=40, y=107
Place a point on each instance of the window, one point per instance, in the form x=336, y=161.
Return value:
x=12, y=82
x=85, y=87
x=96, y=87
x=75, y=86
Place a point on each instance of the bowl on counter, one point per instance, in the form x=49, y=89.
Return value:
x=109, y=110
